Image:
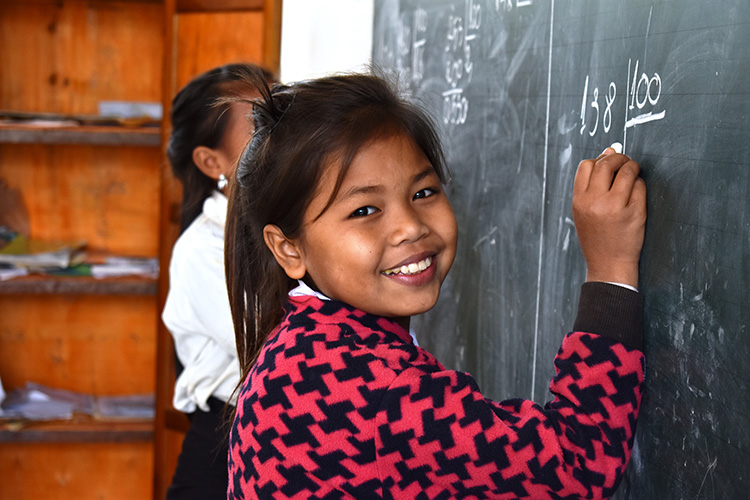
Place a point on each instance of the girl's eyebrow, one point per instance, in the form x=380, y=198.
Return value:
x=426, y=172
x=358, y=190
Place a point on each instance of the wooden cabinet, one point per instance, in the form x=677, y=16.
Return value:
x=112, y=187
x=201, y=34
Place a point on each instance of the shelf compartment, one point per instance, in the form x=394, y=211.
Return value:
x=81, y=429
x=24, y=133
x=78, y=285
x=203, y=6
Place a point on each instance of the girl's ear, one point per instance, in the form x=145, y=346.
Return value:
x=208, y=161
x=286, y=251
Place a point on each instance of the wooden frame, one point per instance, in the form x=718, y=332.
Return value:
x=101, y=181
x=187, y=20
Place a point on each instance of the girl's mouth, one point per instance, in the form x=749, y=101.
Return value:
x=409, y=269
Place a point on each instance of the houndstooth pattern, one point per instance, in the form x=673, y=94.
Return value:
x=342, y=405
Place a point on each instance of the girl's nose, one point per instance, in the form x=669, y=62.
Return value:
x=407, y=225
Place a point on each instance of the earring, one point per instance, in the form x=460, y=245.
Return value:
x=222, y=182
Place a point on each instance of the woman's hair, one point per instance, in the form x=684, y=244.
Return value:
x=299, y=130
x=199, y=118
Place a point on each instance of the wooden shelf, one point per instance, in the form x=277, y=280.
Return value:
x=218, y=5
x=88, y=1
x=82, y=429
x=17, y=133
x=81, y=285
x=191, y=5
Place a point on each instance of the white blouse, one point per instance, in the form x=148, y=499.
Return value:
x=197, y=311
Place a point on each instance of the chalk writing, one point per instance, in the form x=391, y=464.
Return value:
x=418, y=44
x=455, y=107
x=407, y=52
x=643, y=93
x=403, y=39
x=644, y=90
x=509, y=5
x=459, y=66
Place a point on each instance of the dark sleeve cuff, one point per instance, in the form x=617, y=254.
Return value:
x=611, y=311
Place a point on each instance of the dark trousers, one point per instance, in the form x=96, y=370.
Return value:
x=201, y=472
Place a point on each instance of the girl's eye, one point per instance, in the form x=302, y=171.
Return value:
x=425, y=193
x=363, y=211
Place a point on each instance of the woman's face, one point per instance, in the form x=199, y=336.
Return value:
x=237, y=134
x=388, y=239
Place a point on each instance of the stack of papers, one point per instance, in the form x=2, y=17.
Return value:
x=141, y=406
x=124, y=266
x=37, y=402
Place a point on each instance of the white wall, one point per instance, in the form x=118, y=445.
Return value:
x=320, y=37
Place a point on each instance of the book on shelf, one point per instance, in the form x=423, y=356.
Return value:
x=32, y=254
x=20, y=256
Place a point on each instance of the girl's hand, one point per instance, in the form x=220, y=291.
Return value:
x=609, y=211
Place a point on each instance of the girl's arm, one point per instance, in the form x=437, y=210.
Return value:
x=455, y=442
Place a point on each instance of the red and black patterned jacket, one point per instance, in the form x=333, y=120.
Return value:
x=342, y=405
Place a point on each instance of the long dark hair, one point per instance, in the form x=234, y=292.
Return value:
x=199, y=118
x=299, y=129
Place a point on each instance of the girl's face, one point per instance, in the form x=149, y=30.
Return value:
x=388, y=239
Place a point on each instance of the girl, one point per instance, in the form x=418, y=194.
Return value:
x=205, y=143
x=338, y=231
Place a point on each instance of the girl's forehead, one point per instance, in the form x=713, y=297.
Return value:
x=383, y=155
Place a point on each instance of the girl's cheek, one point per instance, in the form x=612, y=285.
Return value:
x=453, y=231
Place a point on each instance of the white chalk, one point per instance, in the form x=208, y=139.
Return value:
x=617, y=147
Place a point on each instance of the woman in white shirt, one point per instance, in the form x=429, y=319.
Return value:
x=207, y=137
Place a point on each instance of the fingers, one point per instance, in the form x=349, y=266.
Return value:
x=610, y=172
x=625, y=180
x=638, y=195
x=585, y=169
x=583, y=175
x=609, y=212
x=604, y=172
x=607, y=151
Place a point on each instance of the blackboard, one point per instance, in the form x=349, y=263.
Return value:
x=525, y=89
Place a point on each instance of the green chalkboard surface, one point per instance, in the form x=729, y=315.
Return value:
x=525, y=89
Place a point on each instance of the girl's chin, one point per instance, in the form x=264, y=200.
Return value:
x=408, y=310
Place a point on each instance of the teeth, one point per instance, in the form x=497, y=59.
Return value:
x=413, y=268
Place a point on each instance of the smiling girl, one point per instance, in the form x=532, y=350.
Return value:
x=338, y=231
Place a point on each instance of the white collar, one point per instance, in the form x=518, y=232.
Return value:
x=302, y=290
x=215, y=208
